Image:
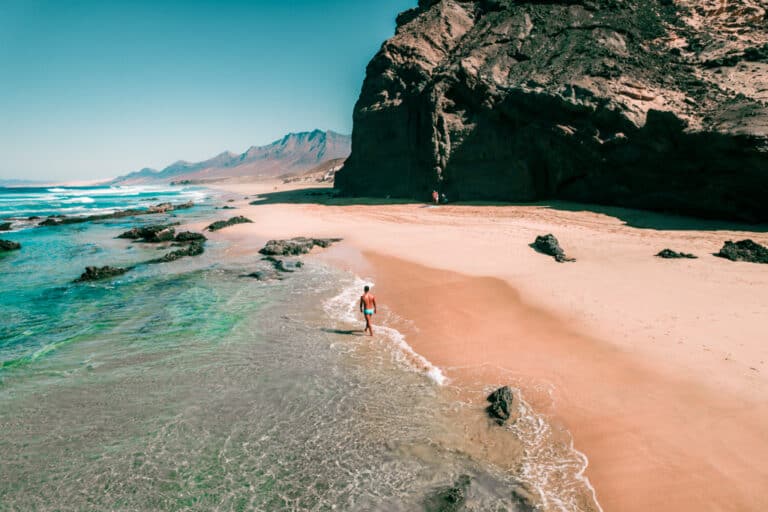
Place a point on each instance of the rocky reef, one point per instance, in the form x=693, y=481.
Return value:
x=295, y=246
x=99, y=273
x=57, y=220
x=9, y=245
x=655, y=104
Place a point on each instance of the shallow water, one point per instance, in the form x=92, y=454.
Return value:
x=185, y=386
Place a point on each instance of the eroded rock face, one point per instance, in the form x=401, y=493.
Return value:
x=657, y=104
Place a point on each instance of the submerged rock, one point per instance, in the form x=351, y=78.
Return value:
x=8, y=245
x=744, y=250
x=265, y=275
x=5, y=226
x=549, y=245
x=670, y=254
x=284, y=265
x=450, y=499
x=98, y=273
x=221, y=224
x=501, y=405
x=295, y=246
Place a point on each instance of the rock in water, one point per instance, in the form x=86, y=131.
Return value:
x=155, y=233
x=635, y=103
x=8, y=245
x=221, y=224
x=501, y=405
x=98, y=273
x=548, y=244
x=195, y=248
x=450, y=499
x=744, y=250
x=670, y=254
x=5, y=226
x=296, y=246
x=189, y=236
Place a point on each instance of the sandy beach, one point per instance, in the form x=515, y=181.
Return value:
x=656, y=367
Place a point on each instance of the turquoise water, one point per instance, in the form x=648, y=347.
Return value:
x=186, y=386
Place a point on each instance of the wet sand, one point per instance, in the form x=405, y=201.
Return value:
x=656, y=367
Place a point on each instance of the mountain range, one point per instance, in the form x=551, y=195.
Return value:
x=293, y=154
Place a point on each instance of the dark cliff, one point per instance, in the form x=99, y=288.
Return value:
x=658, y=104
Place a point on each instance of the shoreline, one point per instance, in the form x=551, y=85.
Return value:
x=657, y=365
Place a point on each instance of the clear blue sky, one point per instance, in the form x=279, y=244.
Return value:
x=94, y=88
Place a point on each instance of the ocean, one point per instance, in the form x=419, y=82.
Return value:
x=190, y=386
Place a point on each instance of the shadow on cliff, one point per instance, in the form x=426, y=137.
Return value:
x=641, y=219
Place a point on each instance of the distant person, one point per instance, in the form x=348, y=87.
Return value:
x=368, y=308
x=435, y=197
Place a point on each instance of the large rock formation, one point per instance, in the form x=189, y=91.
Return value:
x=659, y=104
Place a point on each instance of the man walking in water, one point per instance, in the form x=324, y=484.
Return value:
x=368, y=308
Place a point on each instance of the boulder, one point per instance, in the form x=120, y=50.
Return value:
x=194, y=248
x=450, y=499
x=221, y=224
x=670, y=254
x=5, y=226
x=8, y=245
x=98, y=273
x=654, y=104
x=549, y=245
x=151, y=234
x=501, y=401
x=744, y=250
x=189, y=236
x=295, y=246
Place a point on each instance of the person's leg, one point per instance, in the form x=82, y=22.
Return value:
x=368, y=326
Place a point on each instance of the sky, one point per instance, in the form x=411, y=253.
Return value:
x=92, y=89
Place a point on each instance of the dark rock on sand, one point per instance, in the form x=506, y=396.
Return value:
x=501, y=405
x=549, y=245
x=8, y=245
x=450, y=499
x=670, y=254
x=221, y=224
x=5, y=226
x=744, y=250
x=295, y=246
x=228, y=208
x=189, y=236
x=98, y=273
x=655, y=104
x=195, y=248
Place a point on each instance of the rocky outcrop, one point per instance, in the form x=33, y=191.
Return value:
x=57, y=220
x=500, y=409
x=548, y=244
x=450, y=499
x=295, y=246
x=221, y=224
x=151, y=234
x=744, y=250
x=657, y=104
x=5, y=226
x=190, y=236
x=8, y=245
x=195, y=248
x=99, y=273
x=670, y=254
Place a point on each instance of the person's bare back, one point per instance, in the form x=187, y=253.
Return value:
x=368, y=308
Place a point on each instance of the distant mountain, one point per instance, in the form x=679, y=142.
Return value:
x=293, y=154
